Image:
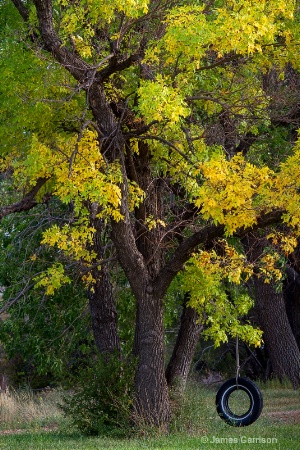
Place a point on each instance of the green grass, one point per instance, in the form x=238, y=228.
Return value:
x=196, y=426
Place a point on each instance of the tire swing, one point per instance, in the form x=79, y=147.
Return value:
x=243, y=384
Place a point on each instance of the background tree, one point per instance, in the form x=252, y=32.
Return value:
x=273, y=319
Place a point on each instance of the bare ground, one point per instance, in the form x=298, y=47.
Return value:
x=291, y=417
x=52, y=427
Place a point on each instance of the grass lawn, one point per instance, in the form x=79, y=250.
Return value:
x=197, y=426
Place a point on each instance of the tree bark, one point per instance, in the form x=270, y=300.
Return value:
x=292, y=293
x=278, y=336
x=101, y=298
x=104, y=315
x=292, y=301
x=152, y=405
x=180, y=362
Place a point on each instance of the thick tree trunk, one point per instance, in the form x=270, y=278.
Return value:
x=184, y=349
x=104, y=315
x=292, y=295
x=141, y=256
x=101, y=298
x=278, y=336
x=152, y=405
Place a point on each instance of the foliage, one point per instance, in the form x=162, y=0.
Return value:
x=216, y=283
x=217, y=298
x=102, y=401
x=44, y=330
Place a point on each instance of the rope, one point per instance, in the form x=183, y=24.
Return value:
x=237, y=359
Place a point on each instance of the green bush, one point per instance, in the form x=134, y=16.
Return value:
x=102, y=400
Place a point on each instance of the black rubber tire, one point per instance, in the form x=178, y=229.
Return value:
x=254, y=394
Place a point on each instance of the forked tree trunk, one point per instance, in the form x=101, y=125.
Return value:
x=151, y=402
x=180, y=362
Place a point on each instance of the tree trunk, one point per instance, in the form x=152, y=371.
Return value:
x=184, y=349
x=104, y=315
x=292, y=300
x=278, y=336
x=101, y=298
x=152, y=404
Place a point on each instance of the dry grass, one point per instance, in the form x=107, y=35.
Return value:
x=23, y=408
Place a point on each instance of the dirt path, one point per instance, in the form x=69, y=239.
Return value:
x=291, y=417
x=53, y=427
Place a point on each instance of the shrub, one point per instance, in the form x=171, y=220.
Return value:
x=102, y=400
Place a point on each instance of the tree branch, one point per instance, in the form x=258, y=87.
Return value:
x=205, y=236
x=207, y=98
x=80, y=70
x=118, y=67
x=14, y=300
x=28, y=202
x=23, y=11
x=73, y=63
x=139, y=131
x=166, y=142
x=221, y=61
